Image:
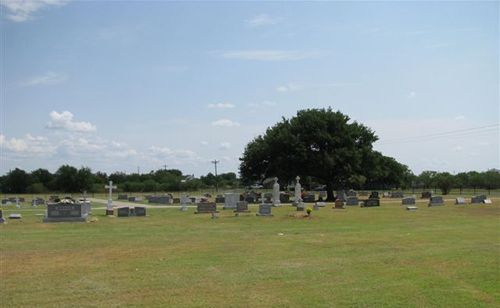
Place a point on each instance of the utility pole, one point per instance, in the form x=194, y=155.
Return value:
x=165, y=167
x=215, y=162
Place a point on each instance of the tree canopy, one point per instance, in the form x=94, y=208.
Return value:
x=323, y=144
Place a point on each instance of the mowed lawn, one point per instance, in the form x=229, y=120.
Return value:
x=445, y=256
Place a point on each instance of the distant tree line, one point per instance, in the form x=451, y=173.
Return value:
x=445, y=181
x=71, y=180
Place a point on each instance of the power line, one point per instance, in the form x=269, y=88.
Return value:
x=449, y=134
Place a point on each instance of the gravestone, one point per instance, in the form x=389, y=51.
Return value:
x=140, y=211
x=123, y=211
x=276, y=193
x=460, y=200
x=426, y=195
x=241, y=207
x=220, y=199
x=397, y=194
x=374, y=195
x=230, y=201
x=371, y=202
x=386, y=194
x=250, y=199
x=478, y=199
x=297, y=192
x=341, y=195
x=109, y=207
x=5, y=201
x=185, y=200
x=1, y=217
x=176, y=200
x=309, y=198
x=122, y=197
x=352, y=201
x=37, y=201
x=411, y=207
x=322, y=194
x=15, y=216
x=134, y=199
x=487, y=201
x=320, y=203
x=436, y=200
x=284, y=197
x=265, y=209
x=339, y=205
x=206, y=208
x=67, y=212
x=408, y=201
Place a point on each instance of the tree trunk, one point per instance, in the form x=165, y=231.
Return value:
x=329, y=192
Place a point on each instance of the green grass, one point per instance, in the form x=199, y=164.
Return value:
x=362, y=257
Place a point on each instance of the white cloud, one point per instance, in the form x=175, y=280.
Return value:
x=48, y=79
x=225, y=123
x=221, y=105
x=263, y=20
x=262, y=104
x=288, y=88
x=23, y=10
x=64, y=121
x=28, y=145
x=225, y=145
x=269, y=55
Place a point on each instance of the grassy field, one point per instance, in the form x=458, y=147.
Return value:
x=364, y=257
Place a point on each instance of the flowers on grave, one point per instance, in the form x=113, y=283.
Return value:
x=308, y=211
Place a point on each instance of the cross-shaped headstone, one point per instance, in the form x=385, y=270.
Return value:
x=110, y=197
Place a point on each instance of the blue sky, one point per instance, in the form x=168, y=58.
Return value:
x=121, y=85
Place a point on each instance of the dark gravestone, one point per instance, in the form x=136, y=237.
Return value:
x=265, y=209
x=37, y=201
x=352, y=201
x=1, y=217
x=374, y=195
x=408, y=201
x=339, y=205
x=284, y=198
x=140, y=211
x=352, y=193
x=5, y=201
x=478, y=199
x=220, y=199
x=132, y=199
x=206, y=208
x=122, y=197
x=67, y=212
x=397, y=194
x=371, y=202
x=426, y=195
x=250, y=199
x=123, y=211
x=436, y=200
x=309, y=198
x=460, y=200
x=12, y=199
x=21, y=199
x=241, y=207
x=177, y=200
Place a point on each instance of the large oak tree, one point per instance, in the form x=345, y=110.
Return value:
x=319, y=143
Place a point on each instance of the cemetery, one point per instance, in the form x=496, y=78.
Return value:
x=159, y=248
x=249, y=154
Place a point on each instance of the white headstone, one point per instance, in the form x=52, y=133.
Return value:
x=110, y=196
x=276, y=192
x=298, y=190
